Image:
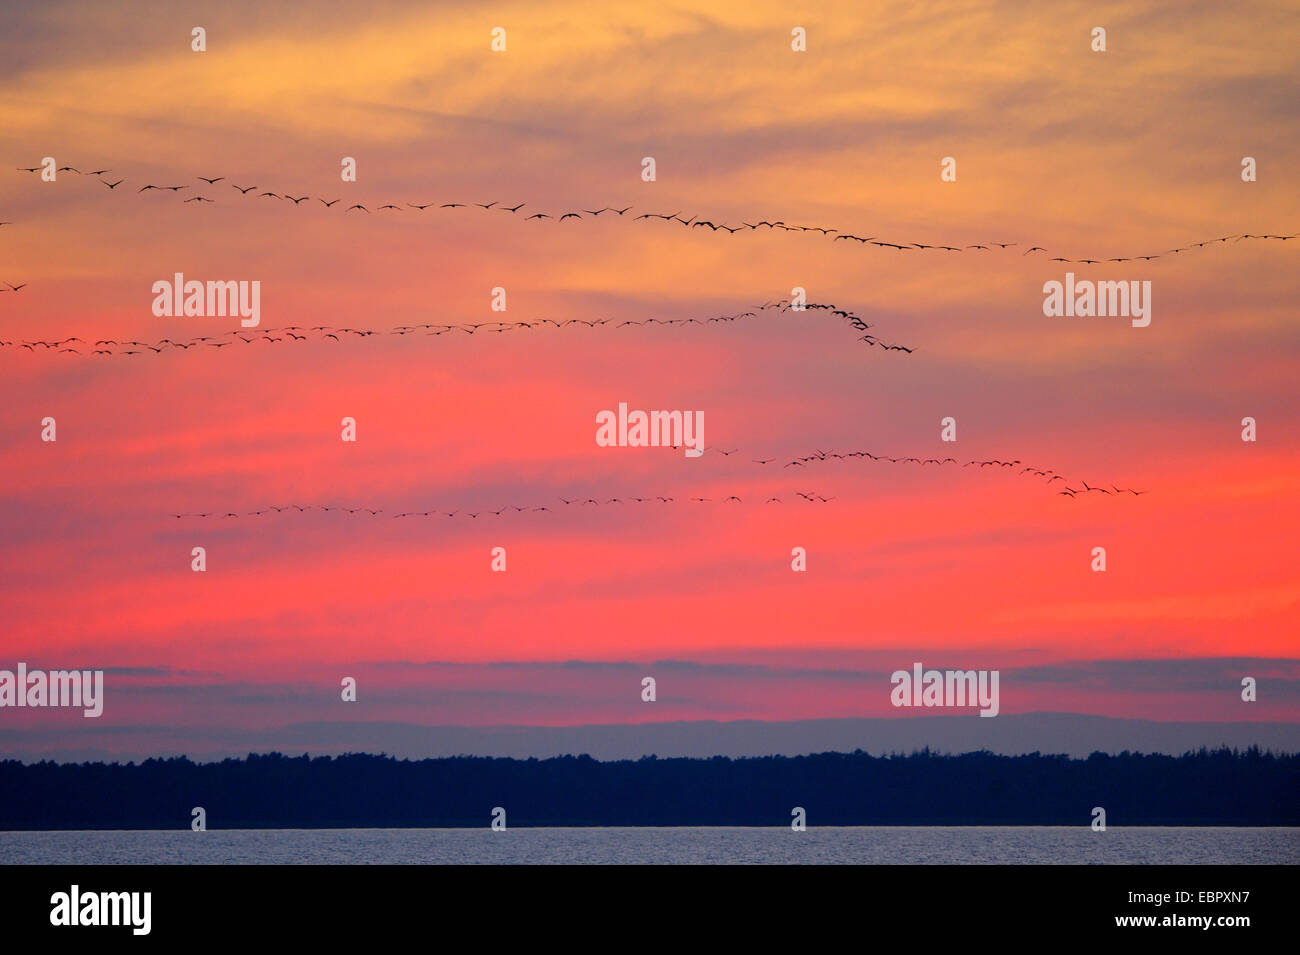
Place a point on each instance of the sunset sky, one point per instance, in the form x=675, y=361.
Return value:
x=1129, y=152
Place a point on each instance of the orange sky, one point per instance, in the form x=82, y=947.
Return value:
x=1092, y=155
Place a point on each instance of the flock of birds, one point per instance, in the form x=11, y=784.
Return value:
x=694, y=222
x=300, y=333
x=580, y=502
x=803, y=496
x=1048, y=474
x=295, y=333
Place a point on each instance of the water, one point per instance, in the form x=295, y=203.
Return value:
x=857, y=844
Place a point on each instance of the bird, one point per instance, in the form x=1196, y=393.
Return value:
x=211, y=182
x=113, y=185
x=359, y=206
x=242, y=190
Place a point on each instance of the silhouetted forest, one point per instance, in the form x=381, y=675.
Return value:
x=1223, y=787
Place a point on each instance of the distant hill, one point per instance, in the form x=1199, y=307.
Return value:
x=1009, y=734
x=1222, y=787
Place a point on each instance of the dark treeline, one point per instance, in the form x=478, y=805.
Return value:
x=1223, y=787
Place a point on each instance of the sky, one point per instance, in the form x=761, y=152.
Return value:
x=1133, y=151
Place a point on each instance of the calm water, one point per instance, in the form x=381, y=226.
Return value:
x=1075, y=844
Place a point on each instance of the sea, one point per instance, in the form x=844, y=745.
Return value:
x=835, y=845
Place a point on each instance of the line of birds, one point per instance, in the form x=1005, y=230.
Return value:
x=694, y=222
x=804, y=496
x=301, y=333
x=1049, y=474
